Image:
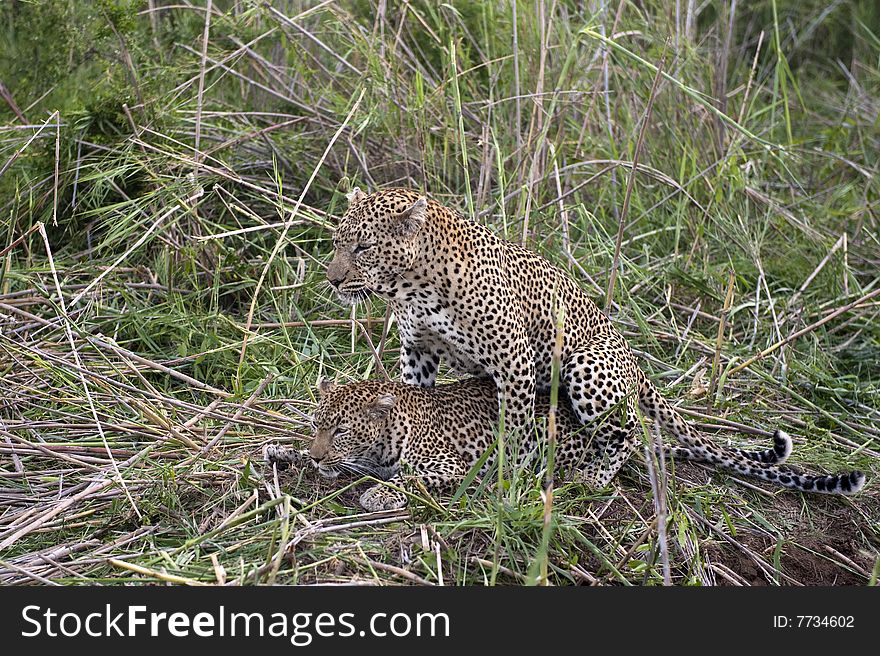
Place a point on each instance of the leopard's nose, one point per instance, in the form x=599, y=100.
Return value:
x=320, y=446
x=317, y=453
x=335, y=281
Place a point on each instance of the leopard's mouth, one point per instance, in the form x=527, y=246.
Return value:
x=326, y=471
x=353, y=295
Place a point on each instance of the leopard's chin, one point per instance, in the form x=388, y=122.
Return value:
x=327, y=473
x=353, y=296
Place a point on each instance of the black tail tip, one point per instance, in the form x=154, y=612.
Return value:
x=782, y=445
x=848, y=483
x=852, y=483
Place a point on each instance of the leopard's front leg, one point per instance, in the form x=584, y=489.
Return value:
x=439, y=471
x=384, y=497
x=516, y=382
x=418, y=366
x=284, y=456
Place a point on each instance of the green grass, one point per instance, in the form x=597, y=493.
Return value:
x=760, y=161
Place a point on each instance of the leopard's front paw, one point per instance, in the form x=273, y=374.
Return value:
x=380, y=497
x=282, y=456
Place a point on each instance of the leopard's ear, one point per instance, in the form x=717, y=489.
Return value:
x=411, y=220
x=381, y=407
x=355, y=196
x=325, y=385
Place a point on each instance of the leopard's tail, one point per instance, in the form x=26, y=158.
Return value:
x=774, y=456
x=756, y=464
x=658, y=408
x=845, y=483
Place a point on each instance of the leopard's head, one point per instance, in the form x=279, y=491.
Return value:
x=354, y=429
x=376, y=243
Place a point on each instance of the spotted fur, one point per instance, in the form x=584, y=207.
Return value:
x=385, y=429
x=490, y=307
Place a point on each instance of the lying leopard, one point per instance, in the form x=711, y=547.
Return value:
x=490, y=307
x=385, y=429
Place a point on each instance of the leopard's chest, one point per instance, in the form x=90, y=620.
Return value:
x=438, y=329
x=427, y=312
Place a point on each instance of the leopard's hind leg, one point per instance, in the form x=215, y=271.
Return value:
x=602, y=390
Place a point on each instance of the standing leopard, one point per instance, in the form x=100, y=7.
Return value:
x=385, y=429
x=490, y=307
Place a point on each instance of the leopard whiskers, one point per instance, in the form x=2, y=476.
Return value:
x=362, y=467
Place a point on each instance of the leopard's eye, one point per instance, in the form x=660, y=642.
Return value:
x=340, y=430
x=361, y=248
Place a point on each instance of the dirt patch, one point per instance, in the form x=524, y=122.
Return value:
x=819, y=545
x=807, y=561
